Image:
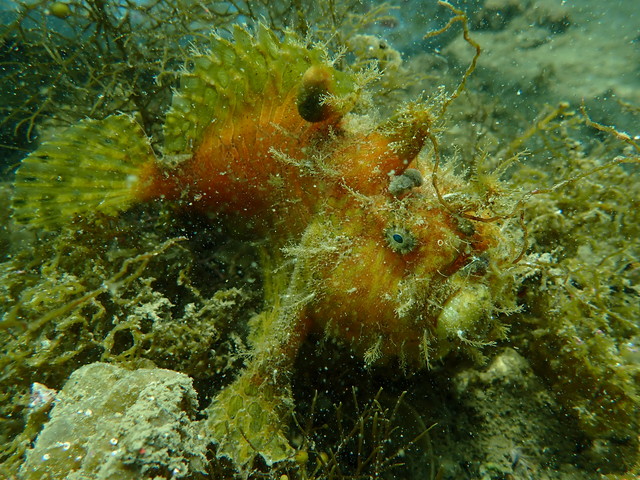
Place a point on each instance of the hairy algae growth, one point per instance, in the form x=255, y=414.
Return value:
x=216, y=283
x=64, y=61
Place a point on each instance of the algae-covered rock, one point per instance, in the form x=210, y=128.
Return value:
x=518, y=431
x=111, y=423
x=583, y=314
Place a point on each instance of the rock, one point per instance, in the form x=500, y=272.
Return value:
x=110, y=423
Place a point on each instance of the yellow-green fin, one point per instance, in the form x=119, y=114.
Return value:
x=91, y=166
x=233, y=77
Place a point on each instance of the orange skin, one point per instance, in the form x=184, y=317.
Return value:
x=358, y=290
x=239, y=172
x=235, y=173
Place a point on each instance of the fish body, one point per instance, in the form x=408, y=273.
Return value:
x=261, y=134
x=259, y=171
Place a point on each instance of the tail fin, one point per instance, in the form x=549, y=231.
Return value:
x=92, y=166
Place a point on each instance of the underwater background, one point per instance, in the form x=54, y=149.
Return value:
x=124, y=335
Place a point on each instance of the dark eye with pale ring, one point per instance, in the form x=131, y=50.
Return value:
x=400, y=239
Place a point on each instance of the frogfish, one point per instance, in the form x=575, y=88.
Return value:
x=266, y=134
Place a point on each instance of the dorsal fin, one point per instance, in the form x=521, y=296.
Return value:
x=233, y=78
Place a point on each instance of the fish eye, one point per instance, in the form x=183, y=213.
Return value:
x=400, y=239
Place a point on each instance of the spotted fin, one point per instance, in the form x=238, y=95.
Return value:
x=92, y=166
x=250, y=74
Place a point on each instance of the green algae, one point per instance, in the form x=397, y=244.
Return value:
x=117, y=293
x=585, y=316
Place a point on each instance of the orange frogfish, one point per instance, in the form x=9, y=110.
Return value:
x=267, y=135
